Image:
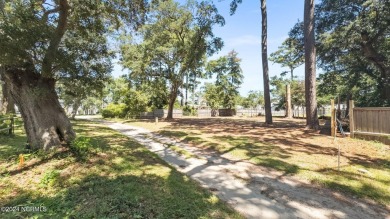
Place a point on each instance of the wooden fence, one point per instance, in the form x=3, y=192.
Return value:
x=160, y=113
x=207, y=113
x=300, y=113
x=226, y=112
x=7, y=127
x=369, y=121
x=249, y=112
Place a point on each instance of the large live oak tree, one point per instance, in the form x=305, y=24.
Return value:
x=173, y=43
x=354, y=42
x=352, y=48
x=44, y=41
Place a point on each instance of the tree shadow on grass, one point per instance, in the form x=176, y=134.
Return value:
x=340, y=180
x=270, y=154
x=286, y=195
x=288, y=133
x=169, y=133
x=126, y=196
x=11, y=145
x=97, y=144
x=122, y=180
x=220, y=125
x=57, y=155
x=261, y=153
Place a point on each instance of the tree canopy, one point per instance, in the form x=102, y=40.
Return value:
x=228, y=78
x=57, y=39
x=279, y=92
x=354, y=39
x=44, y=41
x=253, y=99
x=173, y=43
x=288, y=55
x=352, y=47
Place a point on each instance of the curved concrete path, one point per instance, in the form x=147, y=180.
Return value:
x=254, y=191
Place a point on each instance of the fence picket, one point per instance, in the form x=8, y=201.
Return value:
x=11, y=126
x=374, y=121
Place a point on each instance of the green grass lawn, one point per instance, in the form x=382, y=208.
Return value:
x=104, y=175
x=316, y=168
x=365, y=165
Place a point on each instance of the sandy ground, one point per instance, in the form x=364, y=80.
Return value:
x=254, y=191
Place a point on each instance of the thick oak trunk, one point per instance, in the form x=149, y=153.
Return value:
x=264, y=56
x=45, y=121
x=172, y=99
x=310, y=67
x=75, y=108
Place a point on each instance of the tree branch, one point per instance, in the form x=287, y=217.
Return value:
x=373, y=55
x=56, y=39
x=48, y=12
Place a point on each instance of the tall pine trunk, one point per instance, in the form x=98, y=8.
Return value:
x=186, y=100
x=264, y=56
x=292, y=74
x=310, y=66
x=45, y=121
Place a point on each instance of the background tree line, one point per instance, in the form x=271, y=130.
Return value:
x=352, y=41
x=63, y=49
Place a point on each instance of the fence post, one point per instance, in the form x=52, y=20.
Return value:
x=351, y=122
x=338, y=114
x=332, y=118
x=11, y=126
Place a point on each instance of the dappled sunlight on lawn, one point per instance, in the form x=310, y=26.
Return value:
x=288, y=147
x=114, y=177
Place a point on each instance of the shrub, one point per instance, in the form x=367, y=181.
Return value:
x=50, y=178
x=80, y=146
x=189, y=111
x=137, y=103
x=114, y=110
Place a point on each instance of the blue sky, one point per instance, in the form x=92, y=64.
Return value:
x=242, y=32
